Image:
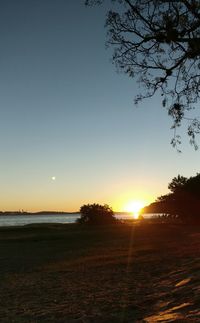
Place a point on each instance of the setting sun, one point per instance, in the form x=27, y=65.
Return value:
x=134, y=207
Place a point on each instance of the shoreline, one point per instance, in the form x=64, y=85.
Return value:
x=37, y=213
x=18, y=213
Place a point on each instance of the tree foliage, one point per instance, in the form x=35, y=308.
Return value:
x=183, y=202
x=177, y=183
x=158, y=43
x=96, y=214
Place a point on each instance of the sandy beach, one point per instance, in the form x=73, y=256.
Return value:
x=122, y=273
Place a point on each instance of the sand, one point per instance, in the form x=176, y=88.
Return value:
x=123, y=273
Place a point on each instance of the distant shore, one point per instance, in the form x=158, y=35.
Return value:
x=48, y=213
x=35, y=213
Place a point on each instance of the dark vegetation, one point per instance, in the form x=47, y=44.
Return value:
x=111, y=274
x=182, y=203
x=96, y=214
x=158, y=43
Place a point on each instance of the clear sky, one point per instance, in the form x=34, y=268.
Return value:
x=69, y=131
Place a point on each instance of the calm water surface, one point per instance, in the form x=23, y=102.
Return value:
x=19, y=220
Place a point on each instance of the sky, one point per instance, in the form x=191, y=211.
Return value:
x=70, y=133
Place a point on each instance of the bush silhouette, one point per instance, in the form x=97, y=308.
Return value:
x=96, y=214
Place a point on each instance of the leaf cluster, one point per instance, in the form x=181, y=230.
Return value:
x=182, y=202
x=158, y=43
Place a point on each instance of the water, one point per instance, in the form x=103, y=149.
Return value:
x=20, y=220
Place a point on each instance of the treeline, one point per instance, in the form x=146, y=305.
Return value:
x=34, y=213
x=183, y=201
x=13, y=212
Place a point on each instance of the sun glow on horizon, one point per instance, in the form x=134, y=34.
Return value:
x=134, y=207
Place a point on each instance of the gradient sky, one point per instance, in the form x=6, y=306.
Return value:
x=66, y=113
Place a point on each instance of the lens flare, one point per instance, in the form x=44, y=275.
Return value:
x=134, y=207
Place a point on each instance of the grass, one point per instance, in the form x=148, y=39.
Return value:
x=124, y=273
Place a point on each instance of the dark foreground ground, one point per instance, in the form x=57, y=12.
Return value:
x=68, y=273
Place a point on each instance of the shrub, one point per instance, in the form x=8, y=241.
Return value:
x=96, y=214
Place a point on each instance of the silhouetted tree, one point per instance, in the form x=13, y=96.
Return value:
x=183, y=202
x=177, y=183
x=158, y=43
x=96, y=214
